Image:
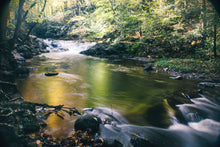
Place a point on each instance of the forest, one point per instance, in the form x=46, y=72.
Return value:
x=179, y=37
x=166, y=28
x=159, y=29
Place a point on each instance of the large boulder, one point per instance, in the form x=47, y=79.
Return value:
x=89, y=123
x=107, y=51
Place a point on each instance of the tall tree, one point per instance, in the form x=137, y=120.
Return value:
x=4, y=15
x=19, y=21
x=32, y=27
x=204, y=20
x=214, y=34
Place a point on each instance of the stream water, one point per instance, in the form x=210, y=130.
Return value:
x=119, y=89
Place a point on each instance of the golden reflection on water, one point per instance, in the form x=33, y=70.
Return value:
x=60, y=127
x=63, y=89
x=90, y=83
x=101, y=79
x=55, y=91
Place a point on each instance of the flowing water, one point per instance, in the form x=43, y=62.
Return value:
x=137, y=100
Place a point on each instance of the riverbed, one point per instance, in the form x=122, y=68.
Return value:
x=123, y=87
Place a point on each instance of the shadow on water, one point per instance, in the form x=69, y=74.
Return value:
x=149, y=101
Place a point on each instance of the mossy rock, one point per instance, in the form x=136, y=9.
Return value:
x=157, y=115
x=88, y=123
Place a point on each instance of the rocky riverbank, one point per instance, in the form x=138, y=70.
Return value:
x=120, y=51
x=18, y=118
x=25, y=121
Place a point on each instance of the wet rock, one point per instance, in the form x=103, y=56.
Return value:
x=193, y=117
x=148, y=67
x=22, y=72
x=7, y=88
x=106, y=115
x=63, y=49
x=24, y=51
x=8, y=137
x=18, y=57
x=160, y=118
x=112, y=143
x=107, y=51
x=54, y=44
x=44, y=50
x=42, y=123
x=176, y=78
x=51, y=74
x=33, y=37
x=218, y=141
x=88, y=122
x=141, y=142
x=41, y=44
x=29, y=123
x=209, y=85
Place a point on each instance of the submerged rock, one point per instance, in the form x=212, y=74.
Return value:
x=88, y=122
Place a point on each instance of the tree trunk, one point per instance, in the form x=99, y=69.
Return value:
x=112, y=3
x=65, y=6
x=204, y=21
x=26, y=13
x=29, y=32
x=19, y=21
x=4, y=15
x=214, y=35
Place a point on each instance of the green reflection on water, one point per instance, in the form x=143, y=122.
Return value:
x=89, y=82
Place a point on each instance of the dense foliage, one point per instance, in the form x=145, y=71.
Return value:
x=157, y=28
x=164, y=28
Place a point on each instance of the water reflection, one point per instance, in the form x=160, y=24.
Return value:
x=60, y=127
x=90, y=82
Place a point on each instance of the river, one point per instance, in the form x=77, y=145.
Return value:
x=120, y=87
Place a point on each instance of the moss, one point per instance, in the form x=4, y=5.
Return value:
x=189, y=65
x=157, y=115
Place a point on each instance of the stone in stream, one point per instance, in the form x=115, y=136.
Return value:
x=148, y=67
x=88, y=122
x=63, y=49
x=51, y=74
x=54, y=44
x=176, y=78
